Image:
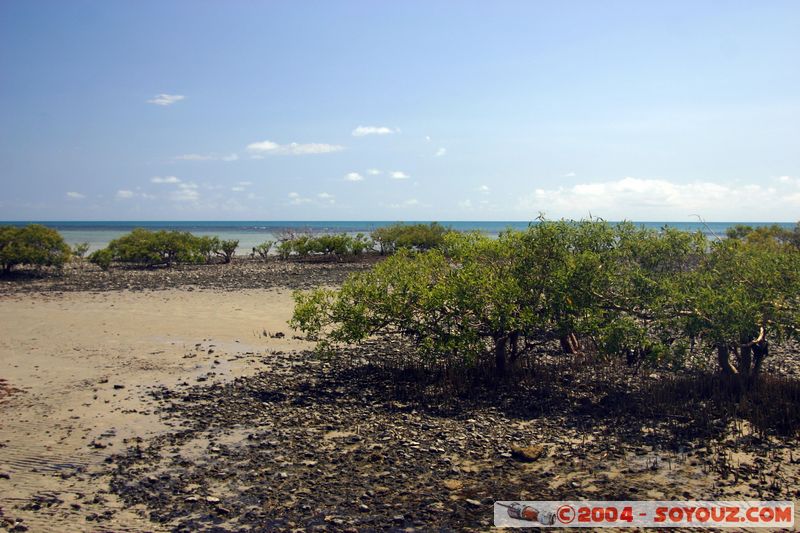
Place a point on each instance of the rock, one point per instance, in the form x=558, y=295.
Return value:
x=118, y=386
x=528, y=454
x=212, y=499
x=453, y=484
x=5, y=475
x=473, y=503
x=398, y=519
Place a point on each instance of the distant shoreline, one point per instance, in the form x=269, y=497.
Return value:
x=251, y=233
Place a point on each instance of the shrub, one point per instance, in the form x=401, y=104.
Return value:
x=79, y=250
x=615, y=290
x=774, y=236
x=460, y=308
x=34, y=245
x=207, y=247
x=741, y=297
x=156, y=248
x=411, y=236
x=102, y=258
x=262, y=250
x=360, y=244
x=328, y=245
x=163, y=248
x=284, y=249
x=227, y=249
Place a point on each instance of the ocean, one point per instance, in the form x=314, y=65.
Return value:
x=252, y=232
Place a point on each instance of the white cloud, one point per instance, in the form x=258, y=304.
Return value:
x=658, y=199
x=263, y=146
x=245, y=183
x=165, y=179
x=465, y=204
x=124, y=193
x=269, y=147
x=327, y=198
x=353, y=176
x=440, y=152
x=570, y=175
x=187, y=192
x=75, y=195
x=296, y=199
x=166, y=99
x=373, y=171
x=483, y=189
x=399, y=175
x=237, y=188
x=362, y=131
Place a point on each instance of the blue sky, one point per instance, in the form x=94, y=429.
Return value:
x=399, y=110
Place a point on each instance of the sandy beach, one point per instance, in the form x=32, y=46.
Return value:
x=82, y=361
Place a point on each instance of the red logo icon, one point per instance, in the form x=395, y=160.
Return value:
x=565, y=514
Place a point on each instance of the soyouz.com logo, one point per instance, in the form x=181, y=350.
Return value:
x=771, y=514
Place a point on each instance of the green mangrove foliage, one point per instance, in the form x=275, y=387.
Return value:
x=79, y=250
x=773, y=236
x=34, y=245
x=262, y=250
x=741, y=297
x=163, y=248
x=612, y=290
x=409, y=236
x=326, y=245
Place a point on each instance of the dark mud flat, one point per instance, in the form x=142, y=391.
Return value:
x=321, y=445
x=240, y=274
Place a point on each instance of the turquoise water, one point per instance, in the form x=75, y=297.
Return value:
x=251, y=233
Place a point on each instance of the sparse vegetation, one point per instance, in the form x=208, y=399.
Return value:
x=79, y=250
x=262, y=250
